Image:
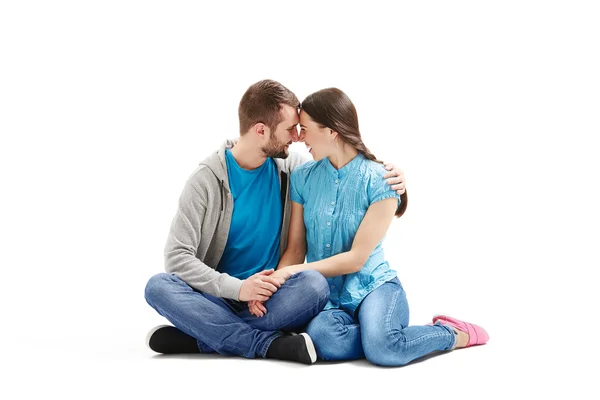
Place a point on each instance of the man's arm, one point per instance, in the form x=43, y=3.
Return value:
x=184, y=239
x=182, y=244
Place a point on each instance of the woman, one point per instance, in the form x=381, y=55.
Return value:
x=340, y=214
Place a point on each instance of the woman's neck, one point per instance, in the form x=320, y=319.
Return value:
x=342, y=156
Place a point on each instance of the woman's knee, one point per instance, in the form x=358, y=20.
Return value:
x=327, y=334
x=320, y=327
x=384, y=349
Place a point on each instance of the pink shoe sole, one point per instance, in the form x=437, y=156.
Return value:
x=477, y=335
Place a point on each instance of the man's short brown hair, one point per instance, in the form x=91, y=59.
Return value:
x=262, y=103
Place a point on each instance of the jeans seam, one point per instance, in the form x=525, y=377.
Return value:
x=429, y=336
x=388, y=321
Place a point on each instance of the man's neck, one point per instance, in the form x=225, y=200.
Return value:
x=247, y=155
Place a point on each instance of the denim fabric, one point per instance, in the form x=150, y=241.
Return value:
x=226, y=326
x=380, y=332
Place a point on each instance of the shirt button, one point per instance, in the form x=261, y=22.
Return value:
x=328, y=223
x=327, y=245
x=333, y=203
x=337, y=180
x=333, y=286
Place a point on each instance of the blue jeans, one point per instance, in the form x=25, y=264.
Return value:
x=226, y=326
x=381, y=334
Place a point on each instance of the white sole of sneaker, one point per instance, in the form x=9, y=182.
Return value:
x=149, y=335
x=310, y=347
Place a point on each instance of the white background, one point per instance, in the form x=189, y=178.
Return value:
x=490, y=108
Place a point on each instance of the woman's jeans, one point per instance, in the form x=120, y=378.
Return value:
x=226, y=326
x=380, y=332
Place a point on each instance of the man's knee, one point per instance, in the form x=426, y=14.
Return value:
x=155, y=288
x=316, y=285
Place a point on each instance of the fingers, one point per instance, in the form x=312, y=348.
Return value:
x=273, y=281
x=266, y=272
x=258, y=310
x=269, y=286
x=264, y=292
x=255, y=310
x=261, y=307
x=390, y=167
x=252, y=307
x=400, y=188
x=261, y=297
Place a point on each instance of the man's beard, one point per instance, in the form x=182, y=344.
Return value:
x=274, y=149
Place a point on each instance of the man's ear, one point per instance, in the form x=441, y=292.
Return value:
x=261, y=130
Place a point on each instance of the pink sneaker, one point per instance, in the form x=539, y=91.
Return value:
x=477, y=335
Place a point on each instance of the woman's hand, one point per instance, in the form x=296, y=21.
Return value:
x=283, y=274
x=257, y=308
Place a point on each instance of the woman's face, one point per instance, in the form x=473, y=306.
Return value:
x=316, y=138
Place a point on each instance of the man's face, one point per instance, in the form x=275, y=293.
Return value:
x=285, y=134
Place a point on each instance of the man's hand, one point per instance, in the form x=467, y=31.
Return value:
x=397, y=181
x=257, y=307
x=259, y=286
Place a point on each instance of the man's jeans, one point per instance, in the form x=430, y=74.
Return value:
x=226, y=326
x=380, y=333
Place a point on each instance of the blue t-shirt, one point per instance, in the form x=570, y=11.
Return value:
x=253, y=241
x=335, y=202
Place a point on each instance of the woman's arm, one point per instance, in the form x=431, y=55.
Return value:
x=371, y=231
x=296, y=250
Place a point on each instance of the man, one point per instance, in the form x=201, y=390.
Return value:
x=219, y=257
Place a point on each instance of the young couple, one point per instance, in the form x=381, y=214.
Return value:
x=236, y=282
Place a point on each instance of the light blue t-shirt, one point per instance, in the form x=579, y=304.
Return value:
x=254, y=235
x=335, y=202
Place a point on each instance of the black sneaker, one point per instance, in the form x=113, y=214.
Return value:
x=299, y=348
x=167, y=339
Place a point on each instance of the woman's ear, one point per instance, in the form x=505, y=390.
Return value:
x=332, y=134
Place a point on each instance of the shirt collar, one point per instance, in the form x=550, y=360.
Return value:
x=346, y=169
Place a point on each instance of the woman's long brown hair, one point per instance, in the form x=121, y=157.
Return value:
x=333, y=109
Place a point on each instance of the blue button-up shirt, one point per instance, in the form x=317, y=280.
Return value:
x=335, y=202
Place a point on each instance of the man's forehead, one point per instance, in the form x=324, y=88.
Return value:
x=290, y=116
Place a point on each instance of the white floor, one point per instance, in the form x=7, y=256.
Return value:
x=117, y=364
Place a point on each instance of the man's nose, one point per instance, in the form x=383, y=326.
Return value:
x=294, y=135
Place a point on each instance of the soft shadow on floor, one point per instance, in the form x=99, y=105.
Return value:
x=362, y=363
x=199, y=356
